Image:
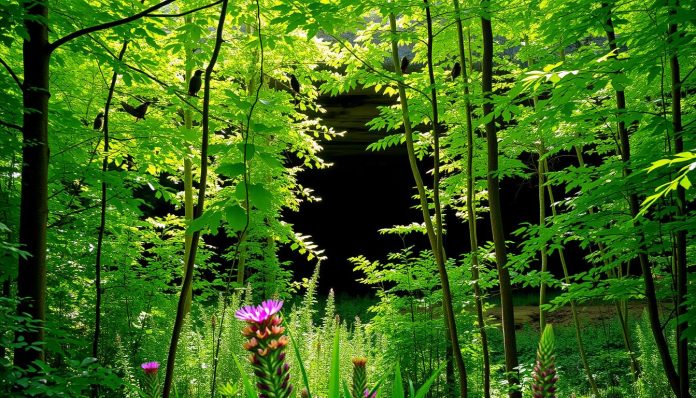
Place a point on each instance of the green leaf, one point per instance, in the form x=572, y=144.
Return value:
x=231, y=169
x=346, y=391
x=303, y=371
x=250, y=150
x=428, y=383
x=685, y=183
x=236, y=217
x=398, y=387
x=248, y=387
x=210, y=219
x=271, y=160
x=259, y=196
x=335, y=371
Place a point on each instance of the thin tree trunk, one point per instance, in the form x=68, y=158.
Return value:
x=188, y=275
x=31, y=276
x=542, y=225
x=188, y=170
x=470, y=206
x=444, y=278
x=435, y=241
x=508, y=312
x=102, y=218
x=646, y=268
x=31, y=280
x=680, y=241
x=241, y=261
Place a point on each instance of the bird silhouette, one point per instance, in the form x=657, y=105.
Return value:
x=294, y=84
x=98, y=121
x=138, y=112
x=456, y=70
x=195, y=83
x=404, y=64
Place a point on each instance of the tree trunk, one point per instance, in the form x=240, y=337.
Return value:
x=508, y=312
x=188, y=274
x=646, y=268
x=444, y=278
x=188, y=171
x=102, y=218
x=435, y=242
x=31, y=277
x=470, y=206
x=542, y=225
x=680, y=238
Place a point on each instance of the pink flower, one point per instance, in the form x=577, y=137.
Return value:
x=267, y=343
x=150, y=368
x=259, y=313
x=366, y=393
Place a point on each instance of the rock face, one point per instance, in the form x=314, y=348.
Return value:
x=351, y=112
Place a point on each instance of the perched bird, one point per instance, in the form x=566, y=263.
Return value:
x=456, y=70
x=98, y=121
x=195, y=83
x=294, y=84
x=138, y=112
x=404, y=64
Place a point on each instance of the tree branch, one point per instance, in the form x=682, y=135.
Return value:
x=10, y=125
x=185, y=12
x=11, y=72
x=153, y=78
x=106, y=25
x=688, y=75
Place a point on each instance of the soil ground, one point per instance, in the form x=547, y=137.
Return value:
x=529, y=314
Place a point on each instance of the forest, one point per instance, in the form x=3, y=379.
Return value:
x=161, y=163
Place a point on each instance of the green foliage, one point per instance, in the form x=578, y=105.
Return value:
x=681, y=180
x=72, y=379
x=652, y=381
x=554, y=100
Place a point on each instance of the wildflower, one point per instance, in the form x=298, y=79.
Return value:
x=260, y=313
x=151, y=386
x=360, y=378
x=150, y=368
x=267, y=345
x=544, y=374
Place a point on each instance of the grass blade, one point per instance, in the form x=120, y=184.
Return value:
x=334, y=374
x=398, y=388
x=305, y=379
x=248, y=387
x=346, y=391
x=426, y=386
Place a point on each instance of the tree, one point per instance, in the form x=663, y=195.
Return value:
x=494, y=206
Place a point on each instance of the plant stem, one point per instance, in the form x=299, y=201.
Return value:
x=680, y=235
x=188, y=275
x=435, y=240
x=470, y=205
x=508, y=312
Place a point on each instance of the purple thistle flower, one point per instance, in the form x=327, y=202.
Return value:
x=544, y=374
x=266, y=343
x=150, y=368
x=260, y=313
